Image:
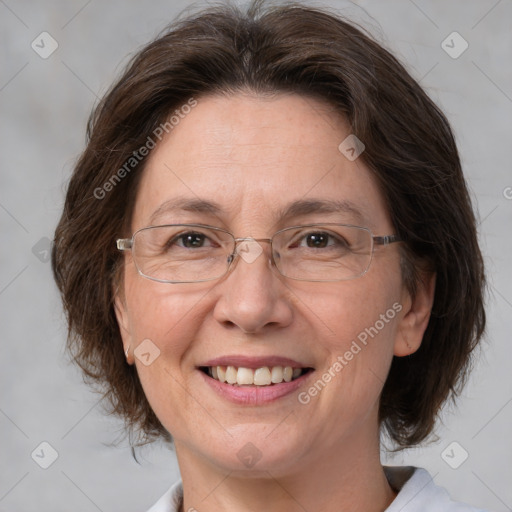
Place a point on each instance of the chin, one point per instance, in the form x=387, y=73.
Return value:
x=253, y=452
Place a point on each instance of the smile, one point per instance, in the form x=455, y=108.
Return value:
x=263, y=376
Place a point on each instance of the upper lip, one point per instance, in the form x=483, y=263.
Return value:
x=254, y=362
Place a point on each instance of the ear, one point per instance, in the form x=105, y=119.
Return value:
x=416, y=314
x=124, y=325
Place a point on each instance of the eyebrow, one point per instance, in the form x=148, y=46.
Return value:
x=305, y=207
x=187, y=205
x=298, y=208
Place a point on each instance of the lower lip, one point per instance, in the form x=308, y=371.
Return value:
x=254, y=395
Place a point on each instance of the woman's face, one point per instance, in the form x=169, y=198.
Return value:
x=254, y=158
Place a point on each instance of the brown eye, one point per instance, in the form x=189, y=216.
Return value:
x=192, y=240
x=189, y=240
x=322, y=240
x=317, y=240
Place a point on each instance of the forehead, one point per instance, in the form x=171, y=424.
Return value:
x=254, y=157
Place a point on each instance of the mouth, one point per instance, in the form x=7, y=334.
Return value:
x=254, y=380
x=263, y=376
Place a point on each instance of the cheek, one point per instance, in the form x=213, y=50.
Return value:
x=349, y=309
x=360, y=319
x=164, y=321
x=161, y=312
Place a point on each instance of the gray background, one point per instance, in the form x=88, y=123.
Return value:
x=45, y=104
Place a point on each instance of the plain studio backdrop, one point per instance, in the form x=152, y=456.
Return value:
x=58, y=58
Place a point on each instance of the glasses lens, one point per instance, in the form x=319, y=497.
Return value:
x=327, y=252
x=182, y=253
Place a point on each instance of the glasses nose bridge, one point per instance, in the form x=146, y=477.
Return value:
x=250, y=238
x=239, y=240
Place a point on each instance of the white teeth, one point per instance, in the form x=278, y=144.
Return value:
x=277, y=374
x=261, y=376
x=245, y=376
x=264, y=376
x=231, y=374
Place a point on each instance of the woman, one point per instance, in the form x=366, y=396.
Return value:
x=268, y=257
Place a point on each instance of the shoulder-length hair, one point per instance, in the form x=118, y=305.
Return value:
x=410, y=150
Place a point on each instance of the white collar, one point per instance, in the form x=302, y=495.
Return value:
x=416, y=490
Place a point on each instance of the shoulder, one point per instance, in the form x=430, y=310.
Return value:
x=417, y=492
x=170, y=501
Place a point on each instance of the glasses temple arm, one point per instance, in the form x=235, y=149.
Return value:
x=124, y=244
x=386, y=239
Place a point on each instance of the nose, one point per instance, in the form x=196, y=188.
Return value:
x=252, y=296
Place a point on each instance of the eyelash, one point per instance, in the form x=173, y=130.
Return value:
x=298, y=240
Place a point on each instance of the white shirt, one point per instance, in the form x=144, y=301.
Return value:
x=417, y=492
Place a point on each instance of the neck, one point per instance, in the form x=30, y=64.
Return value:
x=348, y=477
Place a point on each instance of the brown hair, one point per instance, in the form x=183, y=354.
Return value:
x=410, y=149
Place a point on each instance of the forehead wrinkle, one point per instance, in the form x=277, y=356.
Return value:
x=295, y=209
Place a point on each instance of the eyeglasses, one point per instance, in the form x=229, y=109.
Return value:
x=191, y=253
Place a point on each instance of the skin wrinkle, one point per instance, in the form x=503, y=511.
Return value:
x=253, y=151
x=329, y=453
x=290, y=213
